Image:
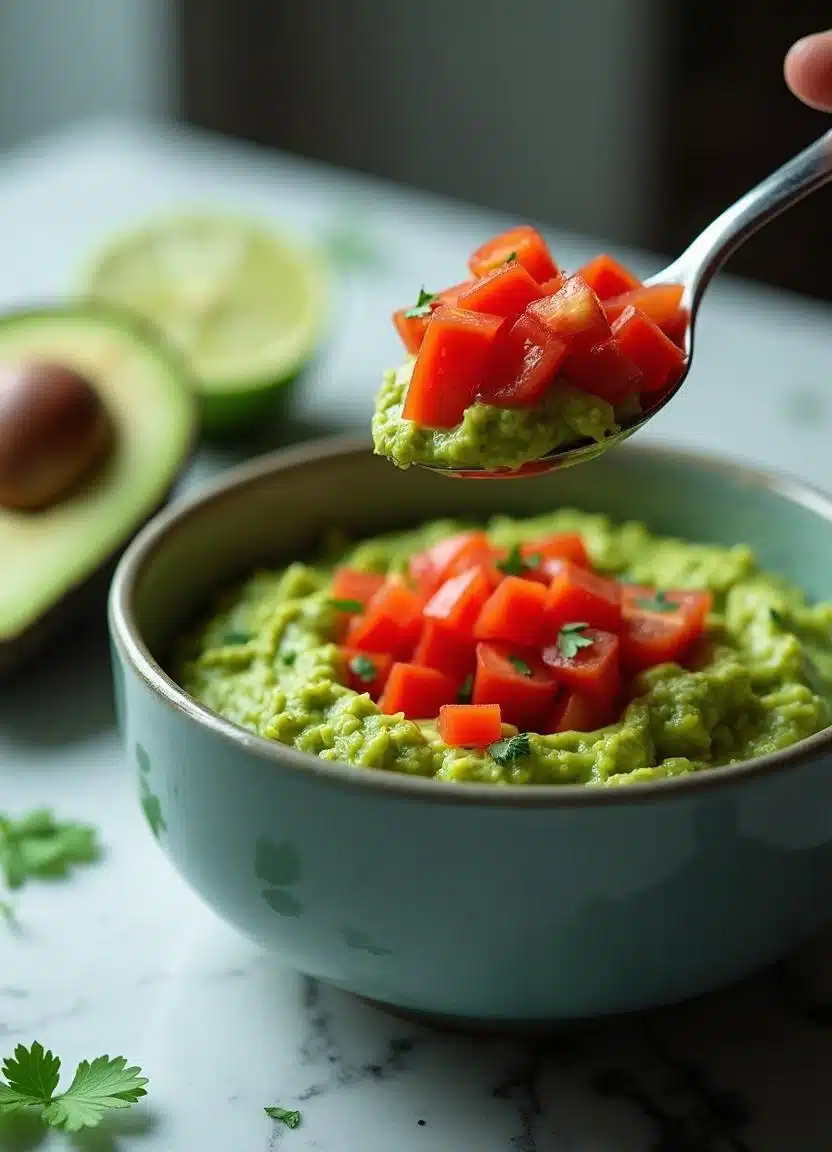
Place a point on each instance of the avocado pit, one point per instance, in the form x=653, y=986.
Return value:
x=54, y=428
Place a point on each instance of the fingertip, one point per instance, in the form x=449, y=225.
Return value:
x=808, y=70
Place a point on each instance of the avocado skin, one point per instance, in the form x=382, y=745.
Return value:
x=79, y=602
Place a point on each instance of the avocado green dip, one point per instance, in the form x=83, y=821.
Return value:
x=491, y=437
x=263, y=659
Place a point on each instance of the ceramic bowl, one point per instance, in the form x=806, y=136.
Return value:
x=509, y=906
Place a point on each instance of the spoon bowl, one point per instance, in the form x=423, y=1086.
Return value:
x=694, y=270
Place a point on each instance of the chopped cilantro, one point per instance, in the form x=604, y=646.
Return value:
x=466, y=689
x=512, y=256
x=515, y=563
x=40, y=846
x=777, y=618
x=423, y=306
x=235, y=636
x=288, y=659
x=345, y=605
x=571, y=640
x=658, y=602
x=287, y=1116
x=364, y=668
x=507, y=751
x=520, y=665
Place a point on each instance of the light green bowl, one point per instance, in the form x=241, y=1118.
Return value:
x=507, y=906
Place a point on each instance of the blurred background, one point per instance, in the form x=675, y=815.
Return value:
x=633, y=120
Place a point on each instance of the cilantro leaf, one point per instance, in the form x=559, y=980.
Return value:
x=345, y=605
x=31, y=1079
x=466, y=690
x=286, y=1116
x=236, y=637
x=507, y=751
x=423, y=306
x=777, y=618
x=571, y=640
x=520, y=665
x=39, y=845
x=364, y=668
x=658, y=602
x=287, y=659
x=512, y=256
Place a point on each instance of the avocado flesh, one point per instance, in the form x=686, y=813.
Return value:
x=50, y=557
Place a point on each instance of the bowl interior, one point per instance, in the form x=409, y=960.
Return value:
x=279, y=508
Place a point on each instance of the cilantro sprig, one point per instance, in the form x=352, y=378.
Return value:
x=288, y=1116
x=364, y=668
x=39, y=846
x=512, y=748
x=520, y=665
x=515, y=563
x=658, y=602
x=571, y=640
x=31, y=1081
x=345, y=605
x=423, y=306
x=466, y=690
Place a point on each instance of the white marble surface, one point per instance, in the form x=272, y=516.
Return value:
x=123, y=958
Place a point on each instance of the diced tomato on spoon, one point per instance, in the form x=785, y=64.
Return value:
x=607, y=277
x=526, y=362
x=523, y=244
x=506, y=292
x=573, y=314
x=655, y=355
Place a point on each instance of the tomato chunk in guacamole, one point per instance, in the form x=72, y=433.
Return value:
x=584, y=652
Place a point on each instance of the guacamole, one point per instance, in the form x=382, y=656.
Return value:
x=264, y=658
x=491, y=437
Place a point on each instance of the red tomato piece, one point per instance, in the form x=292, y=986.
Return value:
x=450, y=367
x=550, y=287
x=607, y=277
x=593, y=669
x=525, y=364
x=573, y=314
x=458, y=601
x=604, y=371
x=579, y=712
x=524, y=243
x=476, y=553
x=417, y=691
x=429, y=568
x=660, y=302
x=351, y=584
x=445, y=649
x=543, y=556
x=658, y=628
x=366, y=672
x=517, y=680
x=412, y=329
x=514, y=612
x=576, y=594
x=653, y=353
x=506, y=292
x=390, y=622
x=470, y=725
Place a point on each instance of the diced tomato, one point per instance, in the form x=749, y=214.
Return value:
x=366, y=672
x=574, y=314
x=504, y=292
x=525, y=363
x=653, y=353
x=457, y=603
x=542, y=556
x=677, y=329
x=579, y=712
x=517, y=680
x=429, y=568
x=525, y=244
x=593, y=669
x=412, y=329
x=417, y=691
x=470, y=725
x=445, y=649
x=657, y=629
x=513, y=612
x=660, y=302
x=450, y=367
x=604, y=371
x=607, y=277
x=352, y=584
x=578, y=595
x=550, y=287
x=476, y=553
x=391, y=622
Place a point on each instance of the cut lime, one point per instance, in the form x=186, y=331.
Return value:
x=244, y=305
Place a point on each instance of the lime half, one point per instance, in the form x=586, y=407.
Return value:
x=242, y=304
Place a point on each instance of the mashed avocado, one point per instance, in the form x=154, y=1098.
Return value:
x=264, y=659
x=488, y=436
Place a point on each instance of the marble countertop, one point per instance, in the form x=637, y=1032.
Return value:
x=124, y=959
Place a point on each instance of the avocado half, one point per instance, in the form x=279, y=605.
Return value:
x=58, y=560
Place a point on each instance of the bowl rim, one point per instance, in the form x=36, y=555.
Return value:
x=126, y=636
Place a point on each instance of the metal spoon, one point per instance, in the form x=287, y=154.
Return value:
x=694, y=269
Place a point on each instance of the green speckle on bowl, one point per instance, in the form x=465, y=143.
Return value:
x=151, y=805
x=277, y=864
x=360, y=942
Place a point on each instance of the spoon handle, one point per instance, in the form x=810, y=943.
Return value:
x=701, y=261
